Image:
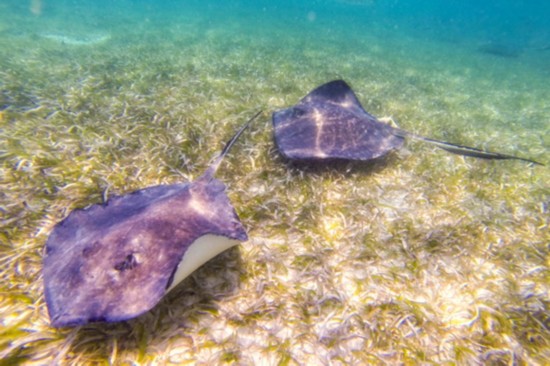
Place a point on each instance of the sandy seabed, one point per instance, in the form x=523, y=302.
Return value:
x=422, y=257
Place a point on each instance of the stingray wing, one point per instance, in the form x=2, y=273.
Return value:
x=115, y=261
x=330, y=123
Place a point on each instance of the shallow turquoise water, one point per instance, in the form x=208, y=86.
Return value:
x=473, y=74
x=508, y=43
x=100, y=98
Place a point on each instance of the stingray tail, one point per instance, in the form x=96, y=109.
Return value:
x=209, y=173
x=462, y=150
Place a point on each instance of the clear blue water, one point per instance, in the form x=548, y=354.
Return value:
x=503, y=29
x=497, y=53
x=86, y=83
x=522, y=25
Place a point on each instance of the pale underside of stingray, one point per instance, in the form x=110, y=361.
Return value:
x=114, y=261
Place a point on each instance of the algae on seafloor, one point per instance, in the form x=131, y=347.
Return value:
x=418, y=258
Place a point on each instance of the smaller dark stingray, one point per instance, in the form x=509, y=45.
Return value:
x=330, y=124
x=500, y=50
x=115, y=261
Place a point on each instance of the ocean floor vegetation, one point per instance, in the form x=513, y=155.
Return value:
x=420, y=258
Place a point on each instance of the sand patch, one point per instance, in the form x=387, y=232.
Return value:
x=77, y=40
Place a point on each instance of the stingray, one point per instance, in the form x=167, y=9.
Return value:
x=114, y=261
x=330, y=124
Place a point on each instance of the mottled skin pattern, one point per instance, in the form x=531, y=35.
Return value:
x=114, y=261
x=330, y=123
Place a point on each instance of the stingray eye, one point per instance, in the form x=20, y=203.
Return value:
x=129, y=262
x=298, y=112
x=91, y=249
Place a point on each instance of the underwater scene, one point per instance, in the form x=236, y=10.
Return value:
x=420, y=256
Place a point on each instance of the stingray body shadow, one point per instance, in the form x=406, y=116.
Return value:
x=114, y=261
x=330, y=124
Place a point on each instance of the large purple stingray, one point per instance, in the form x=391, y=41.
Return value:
x=114, y=261
x=329, y=123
